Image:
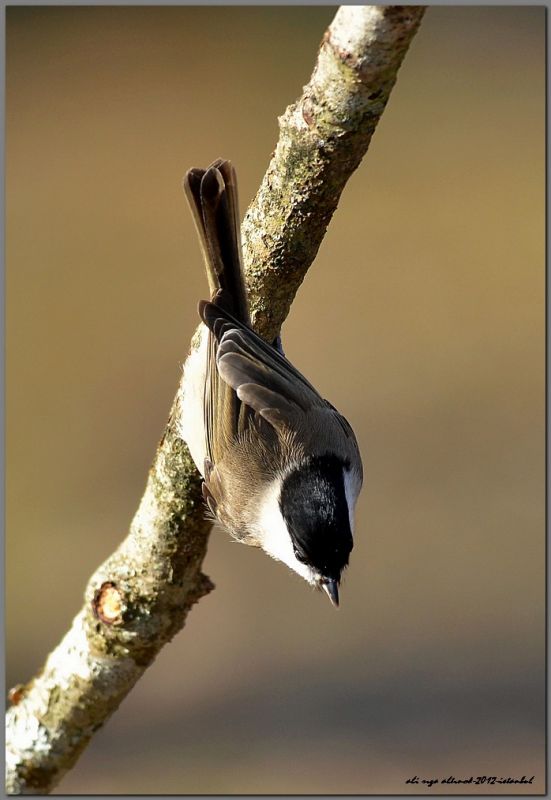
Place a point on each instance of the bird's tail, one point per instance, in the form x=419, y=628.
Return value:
x=212, y=195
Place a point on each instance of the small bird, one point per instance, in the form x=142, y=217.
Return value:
x=281, y=467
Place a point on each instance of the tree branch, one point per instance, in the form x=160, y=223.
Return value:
x=140, y=597
x=323, y=138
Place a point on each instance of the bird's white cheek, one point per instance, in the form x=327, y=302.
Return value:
x=351, y=491
x=274, y=537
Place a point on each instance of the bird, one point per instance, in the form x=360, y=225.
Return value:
x=281, y=466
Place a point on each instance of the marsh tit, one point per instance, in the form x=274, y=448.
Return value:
x=281, y=467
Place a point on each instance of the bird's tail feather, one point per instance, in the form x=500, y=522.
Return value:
x=212, y=195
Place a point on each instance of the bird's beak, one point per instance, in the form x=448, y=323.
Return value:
x=331, y=588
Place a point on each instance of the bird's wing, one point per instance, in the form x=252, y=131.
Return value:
x=263, y=380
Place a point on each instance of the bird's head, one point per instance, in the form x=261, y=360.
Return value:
x=307, y=517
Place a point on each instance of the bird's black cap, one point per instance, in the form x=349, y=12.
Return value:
x=314, y=507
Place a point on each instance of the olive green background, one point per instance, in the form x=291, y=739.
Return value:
x=422, y=319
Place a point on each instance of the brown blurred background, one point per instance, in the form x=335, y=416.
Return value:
x=422, y=319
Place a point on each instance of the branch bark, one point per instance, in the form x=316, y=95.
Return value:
x=140, y=597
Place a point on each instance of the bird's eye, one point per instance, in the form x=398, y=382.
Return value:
x=299, y=556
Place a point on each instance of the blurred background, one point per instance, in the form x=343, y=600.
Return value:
x=433, y=264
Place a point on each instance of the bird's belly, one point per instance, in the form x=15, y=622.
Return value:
x=192, y=398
